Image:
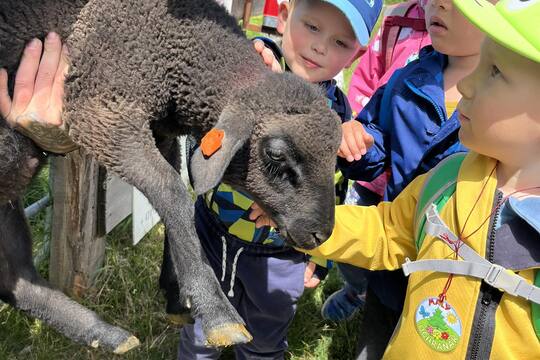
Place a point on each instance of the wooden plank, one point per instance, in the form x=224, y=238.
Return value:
x=77, y=250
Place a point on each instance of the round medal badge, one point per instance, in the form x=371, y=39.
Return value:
x=438, y=324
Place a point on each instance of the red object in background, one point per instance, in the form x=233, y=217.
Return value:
x=270, y=12
x=271, y=8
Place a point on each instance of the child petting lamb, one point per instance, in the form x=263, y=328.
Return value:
x=468, y=233
x=263, y=278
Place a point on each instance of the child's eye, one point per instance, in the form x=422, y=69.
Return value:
x=494, y=71
x=311, y=27
x=341, y=44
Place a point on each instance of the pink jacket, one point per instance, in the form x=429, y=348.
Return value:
x=371, y=71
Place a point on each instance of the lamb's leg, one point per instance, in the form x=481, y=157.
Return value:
x=177, y=313
x=128, y=149
x=21, y=286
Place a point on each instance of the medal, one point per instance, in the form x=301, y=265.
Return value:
x=438, y=324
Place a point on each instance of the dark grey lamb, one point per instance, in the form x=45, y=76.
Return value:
x=143, y=72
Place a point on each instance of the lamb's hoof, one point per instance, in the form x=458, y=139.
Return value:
x=227, y=335
x=179, y=319
x=130, y=343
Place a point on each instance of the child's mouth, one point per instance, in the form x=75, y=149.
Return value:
x=437, y=25
x=310, y=64
x=462, y=118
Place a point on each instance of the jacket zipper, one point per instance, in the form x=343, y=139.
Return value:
x=423, y=95
x=487, y=295
x=442, y=118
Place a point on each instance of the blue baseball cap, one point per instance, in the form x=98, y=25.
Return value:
x=362, y=14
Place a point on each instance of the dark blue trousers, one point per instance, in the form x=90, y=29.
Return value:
x=263, y=283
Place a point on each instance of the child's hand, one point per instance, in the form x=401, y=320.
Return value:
x=355, y=141
x=36, y=108
x=268, y=56
x=311, y=280
x=259, y=216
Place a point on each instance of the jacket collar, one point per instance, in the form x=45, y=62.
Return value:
x=330, y=87
x=527, y=209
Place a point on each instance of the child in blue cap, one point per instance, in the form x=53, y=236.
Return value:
x=262, y=277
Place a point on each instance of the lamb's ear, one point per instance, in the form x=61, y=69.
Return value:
x=212, y=157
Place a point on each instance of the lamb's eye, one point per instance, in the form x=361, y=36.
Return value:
x=275, y=155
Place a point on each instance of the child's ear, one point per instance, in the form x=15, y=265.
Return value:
x=283, y=16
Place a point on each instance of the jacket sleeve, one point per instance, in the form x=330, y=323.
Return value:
x=374, y=237
x=374, y=162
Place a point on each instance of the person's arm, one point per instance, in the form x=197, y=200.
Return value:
x=374, y=161
x=374, y=237
x=36, y=107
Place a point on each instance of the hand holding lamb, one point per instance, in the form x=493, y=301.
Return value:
x=36, y=109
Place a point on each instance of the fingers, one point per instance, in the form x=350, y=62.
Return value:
x=258, y=215
x=353, y=146
x=268, y=56
x=26, y=75
x=48, y=67
x=368, y=140
x=276, y=67
x=310, y=270
x=352, y=141
x=57, y=92
x=5, y=100
x=312, y=283
x=310, y=280
x=259, y=46
x=344, y=150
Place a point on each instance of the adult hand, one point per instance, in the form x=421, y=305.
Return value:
x=268, y=56
x=311, y=280
x=355, y=141
x=36, y=107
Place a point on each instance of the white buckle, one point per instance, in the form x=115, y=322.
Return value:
x=405, y=267
x=508, y=282
x=493, y=275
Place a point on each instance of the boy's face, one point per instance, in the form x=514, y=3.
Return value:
x=451, y=33
x=500, y=107
x=318, y=40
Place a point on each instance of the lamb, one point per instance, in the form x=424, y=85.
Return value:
x=143, y=72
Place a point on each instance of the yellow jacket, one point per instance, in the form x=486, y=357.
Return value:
x=382, y=237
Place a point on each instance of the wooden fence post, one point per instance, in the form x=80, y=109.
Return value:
x=77, y=247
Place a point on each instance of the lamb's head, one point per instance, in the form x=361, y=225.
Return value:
x=279, y=146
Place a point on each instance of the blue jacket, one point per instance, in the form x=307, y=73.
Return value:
x=407, y=118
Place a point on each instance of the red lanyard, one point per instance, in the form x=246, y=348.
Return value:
x=457, y=243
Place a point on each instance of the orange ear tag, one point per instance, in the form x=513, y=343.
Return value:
x=211, y=142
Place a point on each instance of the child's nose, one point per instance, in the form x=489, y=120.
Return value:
x=464, y=86
x=319, y=47
x=445, y=4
